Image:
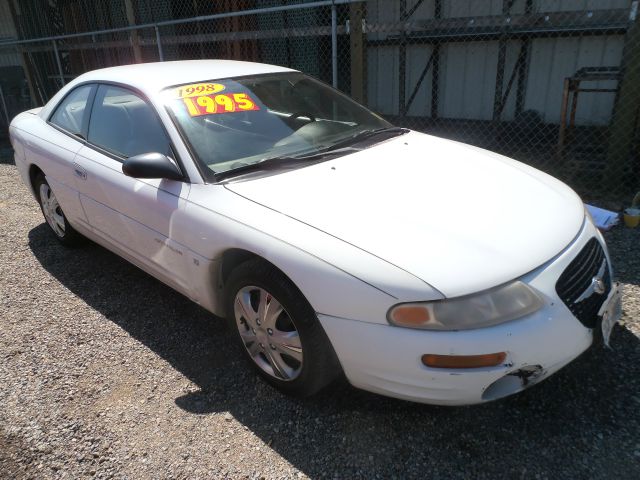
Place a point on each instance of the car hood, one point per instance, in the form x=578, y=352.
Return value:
x=460, y=218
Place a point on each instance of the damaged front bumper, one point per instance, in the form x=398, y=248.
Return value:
x=387, y=359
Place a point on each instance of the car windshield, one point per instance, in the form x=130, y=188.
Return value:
x=235, y=123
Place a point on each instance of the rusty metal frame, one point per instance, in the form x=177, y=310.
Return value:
x=571, y=91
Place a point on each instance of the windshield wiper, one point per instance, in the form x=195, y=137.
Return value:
x=272, y=163
x=365, y=134
x=283, y=162
x=293, y=161
x=322, y=154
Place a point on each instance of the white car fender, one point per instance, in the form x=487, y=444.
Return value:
x=336, y=278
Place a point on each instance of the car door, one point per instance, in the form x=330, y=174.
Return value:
x=136, y=216
x=54, y=144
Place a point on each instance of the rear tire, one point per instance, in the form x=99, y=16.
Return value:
x=278, y=330
x=53, y=214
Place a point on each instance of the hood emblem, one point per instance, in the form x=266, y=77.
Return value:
x=596, y=286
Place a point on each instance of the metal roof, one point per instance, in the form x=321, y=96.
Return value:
x=150, y=78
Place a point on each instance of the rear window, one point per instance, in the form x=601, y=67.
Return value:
x=70, y=114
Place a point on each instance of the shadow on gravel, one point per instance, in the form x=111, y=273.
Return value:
x=6, y=159
x=6, y=152
x=581, y=423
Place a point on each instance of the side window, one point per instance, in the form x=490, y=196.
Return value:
x=124, y=124
x=70, y=113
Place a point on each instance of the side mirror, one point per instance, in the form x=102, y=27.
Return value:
x=151, y=165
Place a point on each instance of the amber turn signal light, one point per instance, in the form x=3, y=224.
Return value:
x=410, y=316
x=463, y=361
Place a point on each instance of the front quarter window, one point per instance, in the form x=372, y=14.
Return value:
x=234, y=123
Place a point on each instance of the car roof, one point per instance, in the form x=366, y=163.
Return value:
x=150, y=78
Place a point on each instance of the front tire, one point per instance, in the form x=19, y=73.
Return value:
x=53, y=214
x=278, y=331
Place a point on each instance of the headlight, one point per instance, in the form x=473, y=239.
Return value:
x=498, y=305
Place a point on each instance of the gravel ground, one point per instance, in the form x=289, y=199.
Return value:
x=106, y=372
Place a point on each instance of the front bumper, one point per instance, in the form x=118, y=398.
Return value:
x=387, y=359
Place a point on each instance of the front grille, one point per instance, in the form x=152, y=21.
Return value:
x=577, y=279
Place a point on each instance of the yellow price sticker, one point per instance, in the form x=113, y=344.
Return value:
x=222, y=103
x=197, y=89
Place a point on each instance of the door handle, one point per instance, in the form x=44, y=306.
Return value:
x=79, y=171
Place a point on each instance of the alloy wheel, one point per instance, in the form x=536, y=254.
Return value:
x=51, y=210
x=268, y=333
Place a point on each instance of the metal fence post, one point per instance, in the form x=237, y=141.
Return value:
x=334, y=45
x=4, y=106
x=55, y=52
x=159, y=42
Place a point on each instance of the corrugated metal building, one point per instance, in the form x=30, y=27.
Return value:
x=467, y=68
x=467, y=76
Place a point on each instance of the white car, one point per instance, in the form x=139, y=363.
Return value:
x=333, y=242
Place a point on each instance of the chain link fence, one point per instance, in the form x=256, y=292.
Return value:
x=552, y=83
